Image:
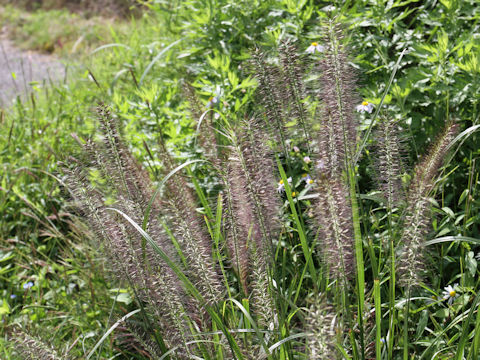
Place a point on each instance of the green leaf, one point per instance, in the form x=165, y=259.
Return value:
x=4, y=309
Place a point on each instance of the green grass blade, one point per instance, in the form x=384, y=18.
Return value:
x=106, y=46
x=343, y=352
x=201, y=195
x=252, y=323
x=452, y=238
x=358, y=254
x=160, y=186
x=283, y=341
x=369, y=130
x=378, y=318
x=464, y=135
x=465, y=333
x=476, y=340
x=156, y=58
x=171, y=351
x=301, y=233
x=109, y=331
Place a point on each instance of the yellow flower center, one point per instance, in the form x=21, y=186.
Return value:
x=293, y=194
x=314, y=44
x=310, y=181
x=365, y=103
x=210, y=98
x=453, y=293
x=304, y=175
x=281, y=182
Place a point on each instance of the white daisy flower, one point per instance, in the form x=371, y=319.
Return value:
x=365, y=106
x=281, y=185
x=315, y=47
x=450, y=293
x=308, y=179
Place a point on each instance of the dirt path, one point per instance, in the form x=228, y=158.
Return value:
x=18, y=69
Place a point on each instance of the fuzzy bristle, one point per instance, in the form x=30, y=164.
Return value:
x=189, y=230
x=132, y=262
x=389, y=165
x=205, y=126
x=252, y=215
x=293, y=90
x=117, y=163
x=338, y=133
x=247, y=248
x=31, y=348
x=239, y=221
x=270, y=92
x=334, y=215
x=133, y=337
x=410, y=262
x=321, y=326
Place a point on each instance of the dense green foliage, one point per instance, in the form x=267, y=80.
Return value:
x=141, y=74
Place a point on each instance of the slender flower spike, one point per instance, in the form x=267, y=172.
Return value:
x=315, y=47
x=281, y=185
x=28, y=285
x=450, y=293
x=365, y=106
x=212, y=102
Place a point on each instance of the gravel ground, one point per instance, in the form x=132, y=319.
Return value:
x=28, y=67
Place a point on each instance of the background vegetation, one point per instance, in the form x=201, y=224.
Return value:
x=53, y=282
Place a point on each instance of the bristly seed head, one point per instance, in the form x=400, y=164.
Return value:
x=338, y=125
x=410, y=253
x=321, y=326
x=334, y=215
x=389, y=165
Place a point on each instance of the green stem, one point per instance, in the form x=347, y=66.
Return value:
x=358, y=255
x=378, y=319
x=405, y=326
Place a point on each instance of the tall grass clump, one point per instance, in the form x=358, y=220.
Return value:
x=288, y=259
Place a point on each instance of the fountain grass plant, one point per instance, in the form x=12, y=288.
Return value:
x=223, y=278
